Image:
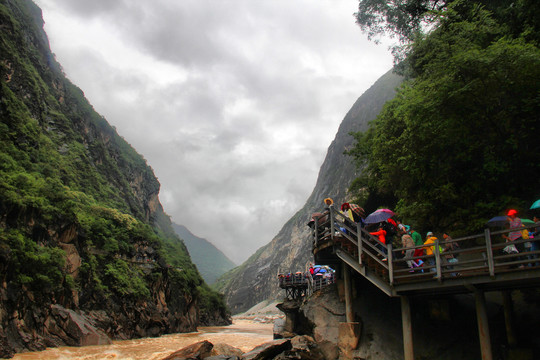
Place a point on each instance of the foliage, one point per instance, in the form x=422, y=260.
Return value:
x=409, y=20
x=64, y=168
x=401, y=18
x=458, y=143
x=126, y=280
x=38, y=267
x=211, y=302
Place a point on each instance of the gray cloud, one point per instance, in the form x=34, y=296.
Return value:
x=232, y=103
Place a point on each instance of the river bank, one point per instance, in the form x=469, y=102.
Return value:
x=244, y=334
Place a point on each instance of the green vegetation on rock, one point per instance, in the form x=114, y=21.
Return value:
x=78, y=205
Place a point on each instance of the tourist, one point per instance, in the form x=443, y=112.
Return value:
x=401, y=228
x=381, y=236
x=354, y=212
x=449, y=246
x=408, y=243
x=430, y=250
x=417, y=238
x=514, y=223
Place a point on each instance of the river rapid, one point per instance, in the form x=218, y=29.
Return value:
x=242, y=334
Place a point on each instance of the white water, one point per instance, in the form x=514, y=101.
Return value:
x=242, y=334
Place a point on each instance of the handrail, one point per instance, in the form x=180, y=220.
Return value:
x=478, y=254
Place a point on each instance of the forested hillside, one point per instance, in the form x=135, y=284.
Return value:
x=459, y=143
x=210, y=261
x=81, y=225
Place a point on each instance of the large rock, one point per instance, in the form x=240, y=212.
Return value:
x=73, y=328
x=302, y=347
x=197, y=351
x=269, y=350
x=221, y=349
x=325, y=311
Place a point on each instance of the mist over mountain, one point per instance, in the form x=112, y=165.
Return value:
x=211, y=262
x=290, y=250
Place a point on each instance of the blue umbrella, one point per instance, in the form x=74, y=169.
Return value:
x=378, y=216
x=498, y=221
x=535, y=205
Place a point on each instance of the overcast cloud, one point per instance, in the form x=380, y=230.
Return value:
x=233, y=103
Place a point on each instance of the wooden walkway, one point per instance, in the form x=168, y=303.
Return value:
x=482, y=266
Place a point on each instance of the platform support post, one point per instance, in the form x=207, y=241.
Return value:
x=508, y=317
x=408, y=349
x=483, y=325
x=348, y=293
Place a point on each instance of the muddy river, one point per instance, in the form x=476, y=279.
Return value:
x=243, y=334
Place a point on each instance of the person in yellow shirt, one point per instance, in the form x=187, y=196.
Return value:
x=430, y=240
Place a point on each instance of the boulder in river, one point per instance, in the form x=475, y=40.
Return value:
x=198, y=351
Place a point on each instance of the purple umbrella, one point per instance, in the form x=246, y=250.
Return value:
x=379, y=216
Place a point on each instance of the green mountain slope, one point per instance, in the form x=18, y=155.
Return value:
x=210, y=261
x=81, y=225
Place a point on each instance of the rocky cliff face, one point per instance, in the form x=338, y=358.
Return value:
x=86, y=252
x=255, y=280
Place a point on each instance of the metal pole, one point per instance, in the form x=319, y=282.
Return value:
x=348, y=298
x=483, y=326
x=408, y=348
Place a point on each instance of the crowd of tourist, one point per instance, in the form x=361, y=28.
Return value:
x=415, y=251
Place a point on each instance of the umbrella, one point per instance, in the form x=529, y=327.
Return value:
x=379, y=216
x=503, y=220
x=323, y=268
x=497, y=221
x=385, y=211
x=535, y=205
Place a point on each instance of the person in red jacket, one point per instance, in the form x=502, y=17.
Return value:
x=381, y=235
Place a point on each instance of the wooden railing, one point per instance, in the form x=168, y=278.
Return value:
x=299, y=284
x=478, y=255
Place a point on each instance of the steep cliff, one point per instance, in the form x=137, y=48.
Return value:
x=86, y=251
x=255, y=280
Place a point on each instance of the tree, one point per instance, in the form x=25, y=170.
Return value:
x=401, y=18
x=457, y=144
x=408, y=20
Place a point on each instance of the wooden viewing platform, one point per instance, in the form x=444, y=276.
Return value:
x=482, y=266
x=302, y=284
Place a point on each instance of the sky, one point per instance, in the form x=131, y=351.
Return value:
x=232, y=103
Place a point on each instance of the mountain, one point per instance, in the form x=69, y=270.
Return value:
x=87, y=253
x=210, y=261
x=290, y=250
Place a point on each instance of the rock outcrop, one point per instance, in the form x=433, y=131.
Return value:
x=444, y=327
